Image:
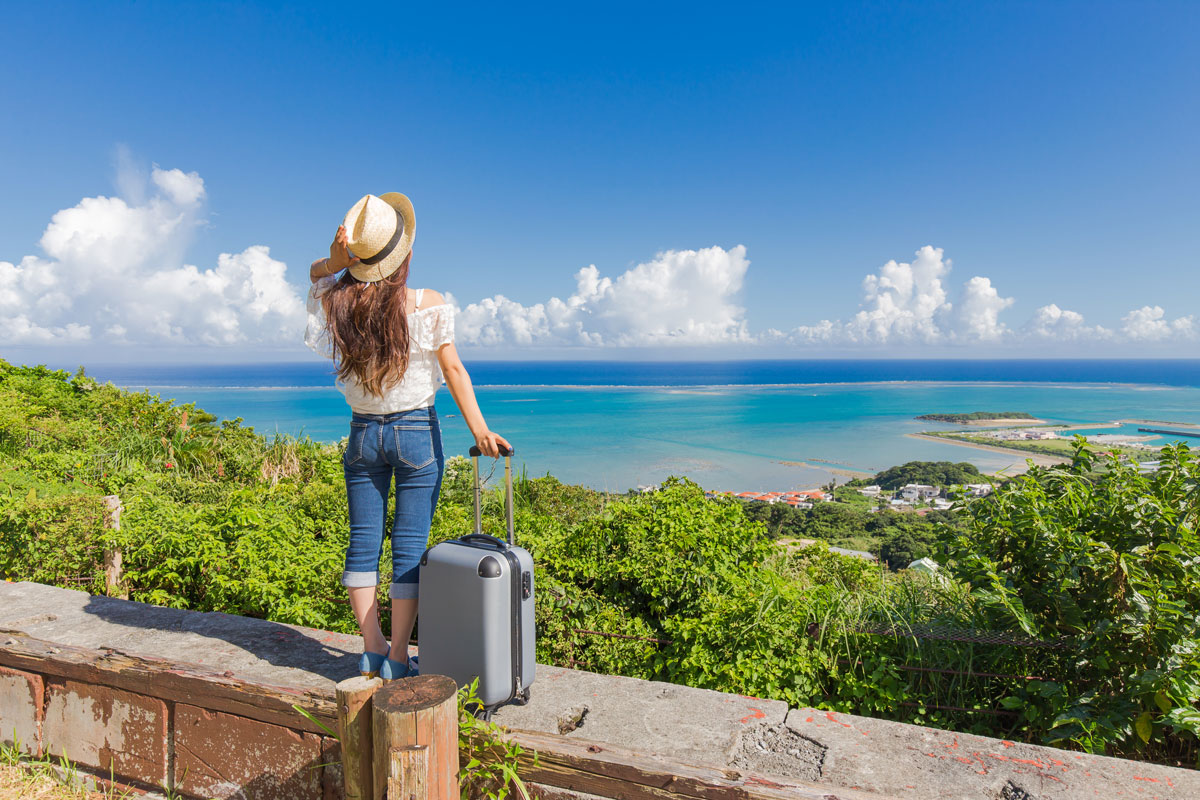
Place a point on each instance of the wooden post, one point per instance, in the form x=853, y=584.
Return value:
x=416, y=711
x=408, y=773
x=113, y=572
x=354, y=730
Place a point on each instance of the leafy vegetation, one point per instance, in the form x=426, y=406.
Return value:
x=930, y=473
x=1107, y=557
x=1094, y=568
x=976, y=415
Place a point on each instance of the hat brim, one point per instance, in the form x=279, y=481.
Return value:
x=369, y=273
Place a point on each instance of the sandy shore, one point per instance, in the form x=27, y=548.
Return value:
x=1040, y=459
x=991, y=423
x=841, y=472
x=1159, y=423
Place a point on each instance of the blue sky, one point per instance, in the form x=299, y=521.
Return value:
x=1046, y=148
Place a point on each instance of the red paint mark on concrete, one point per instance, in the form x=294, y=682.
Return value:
x=1167, y=781
x=829, y=715
x=808, y=719
x=1032, y=762
x=1007, y=743
x=758, y=714
x=964, y=760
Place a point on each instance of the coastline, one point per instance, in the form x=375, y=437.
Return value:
x=841, y=472
x=1040, y=459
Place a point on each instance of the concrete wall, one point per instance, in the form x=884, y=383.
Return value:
x=153, y=742
x=202, y=703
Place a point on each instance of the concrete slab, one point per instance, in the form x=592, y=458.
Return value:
x=908, y=761
x=252, y=649
x=694, y=725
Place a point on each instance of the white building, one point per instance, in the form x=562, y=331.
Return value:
x=919, y=491
x=870, y=491
x=924, y=565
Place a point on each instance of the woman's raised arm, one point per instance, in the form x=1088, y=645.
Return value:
x=340, y=257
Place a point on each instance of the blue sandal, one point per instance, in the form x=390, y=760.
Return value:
x=370, y=664
x=394, y=670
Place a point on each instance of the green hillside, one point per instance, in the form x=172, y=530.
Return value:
x=1101, y=560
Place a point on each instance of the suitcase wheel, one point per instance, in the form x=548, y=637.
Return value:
x=522, y=698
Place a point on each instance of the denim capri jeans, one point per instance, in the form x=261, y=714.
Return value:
x=404, y=448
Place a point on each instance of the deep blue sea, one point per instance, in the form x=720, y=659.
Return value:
x=727, y=425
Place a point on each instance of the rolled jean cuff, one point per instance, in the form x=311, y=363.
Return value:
x=357, y=580
x=403, y=591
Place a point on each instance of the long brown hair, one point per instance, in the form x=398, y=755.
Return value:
x=368, y=326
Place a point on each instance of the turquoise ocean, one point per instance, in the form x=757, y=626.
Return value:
x=749, y=425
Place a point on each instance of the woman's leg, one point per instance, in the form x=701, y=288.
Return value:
x=418, y=475
x=404, y=616
x=366, y=613
x=368, y=483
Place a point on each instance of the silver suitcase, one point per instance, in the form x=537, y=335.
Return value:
x=476, y=608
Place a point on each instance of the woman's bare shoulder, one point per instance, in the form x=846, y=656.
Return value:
x=431, y=298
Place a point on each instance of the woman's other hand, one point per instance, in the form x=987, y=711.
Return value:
x=489, y=444
x=340, y=256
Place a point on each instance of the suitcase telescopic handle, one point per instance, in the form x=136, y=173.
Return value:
x=507, y=452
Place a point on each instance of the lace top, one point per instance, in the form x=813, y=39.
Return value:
x=428, y=329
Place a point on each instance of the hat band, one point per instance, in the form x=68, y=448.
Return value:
x=390, y=246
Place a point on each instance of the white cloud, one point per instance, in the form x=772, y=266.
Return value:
x=978, y=314
x=1062, y=325
x=1149, y=324
x=903, y=302
x=115, y=273
x=680, y=297
x=908, y=303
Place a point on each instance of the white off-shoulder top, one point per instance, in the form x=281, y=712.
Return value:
x=429, y=329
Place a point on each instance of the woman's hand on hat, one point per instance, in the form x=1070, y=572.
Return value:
x=490, y=443
x=340, y=256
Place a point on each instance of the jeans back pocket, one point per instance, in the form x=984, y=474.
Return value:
x=414, y=444
x=354, y=446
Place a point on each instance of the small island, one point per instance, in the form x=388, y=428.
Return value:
x=977, y=416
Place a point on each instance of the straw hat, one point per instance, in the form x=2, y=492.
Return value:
x=380, y=232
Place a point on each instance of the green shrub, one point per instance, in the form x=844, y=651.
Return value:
x=1109, y=560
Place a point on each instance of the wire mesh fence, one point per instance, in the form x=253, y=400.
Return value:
x=928, y=632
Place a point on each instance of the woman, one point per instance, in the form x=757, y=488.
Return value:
x=392, y=346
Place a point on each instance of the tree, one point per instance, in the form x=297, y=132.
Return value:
x=932, y=473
